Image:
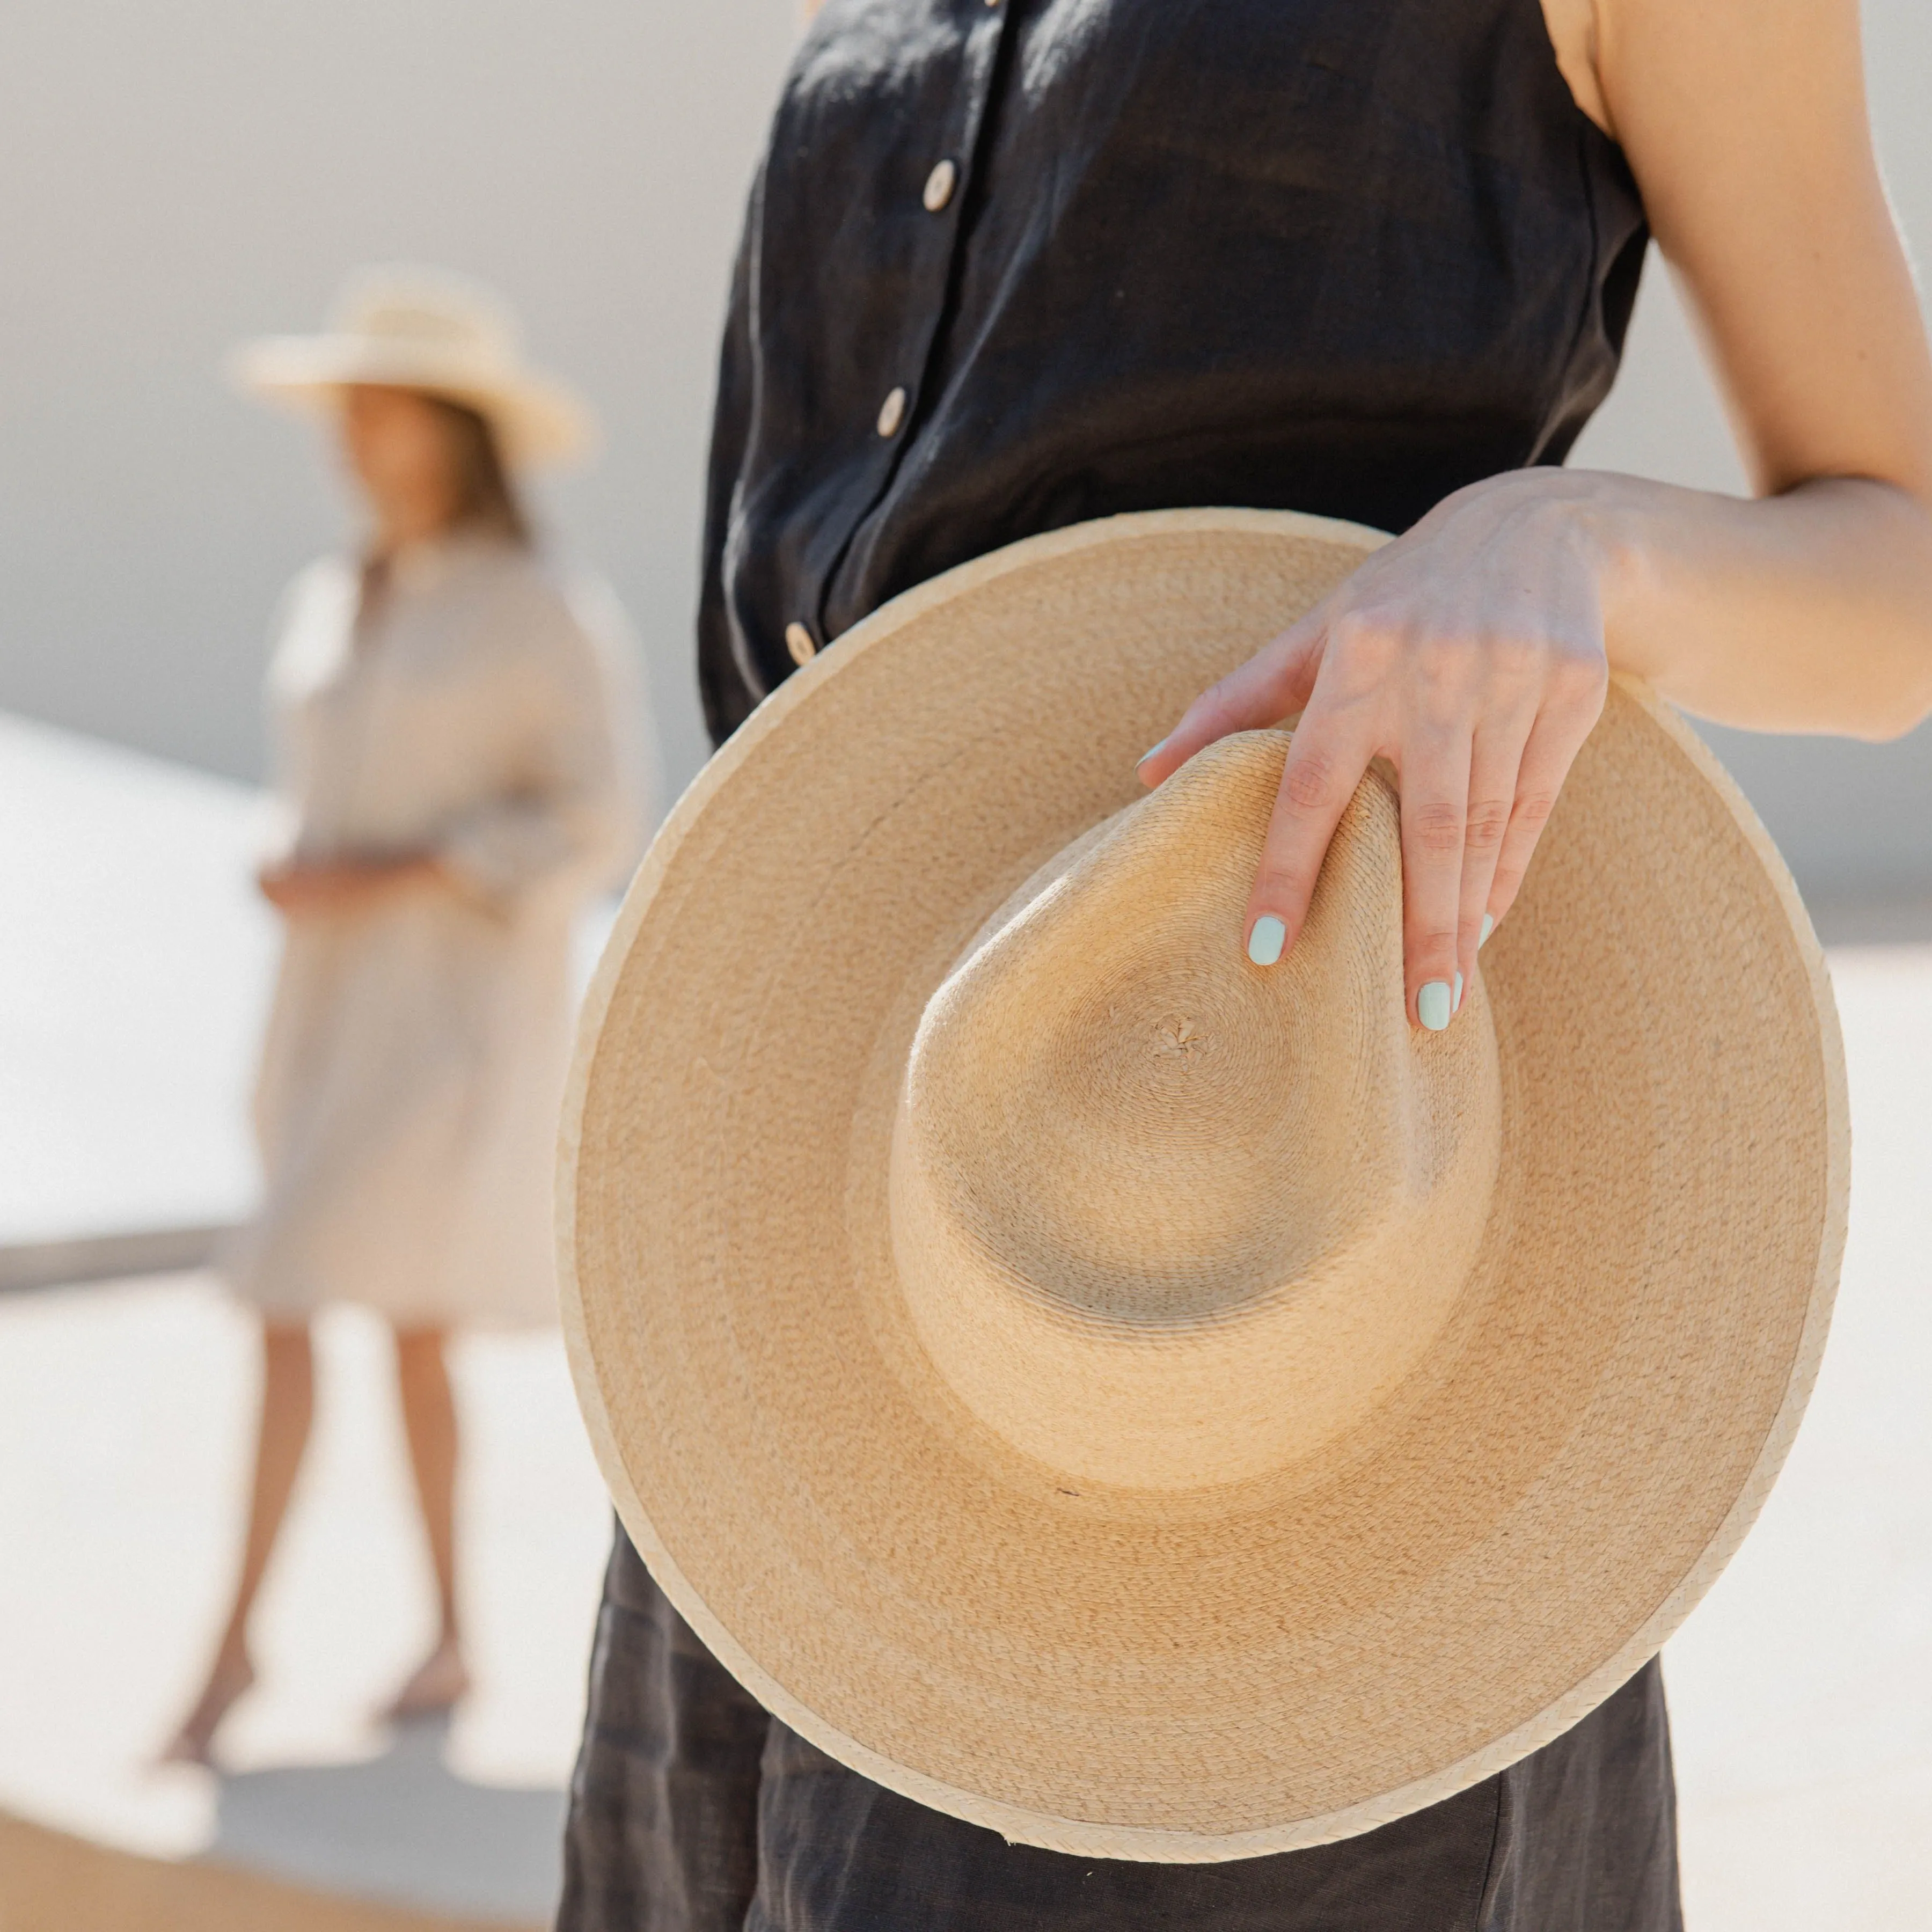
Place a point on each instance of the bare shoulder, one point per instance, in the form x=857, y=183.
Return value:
x=1606, y=49
x=1712, y=68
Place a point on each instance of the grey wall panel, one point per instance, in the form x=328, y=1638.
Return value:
x=175, y=175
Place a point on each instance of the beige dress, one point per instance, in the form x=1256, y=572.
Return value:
x=407, y=1104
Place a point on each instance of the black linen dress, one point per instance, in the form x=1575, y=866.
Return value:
x=1009, y=265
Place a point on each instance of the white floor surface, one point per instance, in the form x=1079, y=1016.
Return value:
x=1802, y=1688
x=124, y=1419
x=135, y=957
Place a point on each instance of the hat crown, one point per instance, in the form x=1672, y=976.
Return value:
x=427, y=330
x=1123, y=1152
x=429, y=312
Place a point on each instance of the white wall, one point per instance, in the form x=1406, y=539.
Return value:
x=177, y=174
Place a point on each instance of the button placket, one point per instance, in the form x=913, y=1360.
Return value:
x=943, y=188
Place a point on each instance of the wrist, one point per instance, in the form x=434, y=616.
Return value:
x=1614, y=528
x=1611, y=524
x=1606, y=524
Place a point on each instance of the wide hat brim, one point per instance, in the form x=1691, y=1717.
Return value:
x=1267, y=1665
x=538, y=421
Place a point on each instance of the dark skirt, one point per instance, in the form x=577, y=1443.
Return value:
x=692, y=1809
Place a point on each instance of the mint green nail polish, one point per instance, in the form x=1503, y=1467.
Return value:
x=1264, y=941
x=1489, y=920
x=1432, y=1005
x=1150, y=751
x=1458, y=1007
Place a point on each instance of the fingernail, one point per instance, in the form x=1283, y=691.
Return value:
x=1432, y=1005
x=1458, y=1007
x=1150, y=751
x=1489, y=918
x=1264, y=941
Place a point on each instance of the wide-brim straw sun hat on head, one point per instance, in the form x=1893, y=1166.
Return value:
x=1153, y=1405
x=427, y=330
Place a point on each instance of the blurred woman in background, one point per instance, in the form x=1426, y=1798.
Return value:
x=456, y=776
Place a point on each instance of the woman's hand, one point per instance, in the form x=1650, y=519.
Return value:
x=299, y=890
x=1469, y=653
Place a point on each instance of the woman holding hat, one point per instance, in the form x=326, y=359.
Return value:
x=456, y=778
x=1011, y=265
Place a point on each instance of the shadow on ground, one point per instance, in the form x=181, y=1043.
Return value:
x=401, y=1828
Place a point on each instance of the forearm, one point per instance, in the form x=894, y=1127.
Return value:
x=332, y=885
x=1808, y=611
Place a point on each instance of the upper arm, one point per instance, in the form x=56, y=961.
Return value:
x=1745, y=123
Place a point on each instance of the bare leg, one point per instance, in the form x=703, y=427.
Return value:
x=288, y=1408
x=429, y=1420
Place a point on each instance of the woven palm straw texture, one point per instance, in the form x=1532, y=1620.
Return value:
x=1153, y=1407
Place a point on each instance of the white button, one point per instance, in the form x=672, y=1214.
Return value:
x=798, y=641
x=892, y=412
x=939, y=187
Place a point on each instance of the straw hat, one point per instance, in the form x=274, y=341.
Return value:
x=1153, y=1406
x=422, y=328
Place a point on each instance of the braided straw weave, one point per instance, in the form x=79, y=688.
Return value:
x=1152, y=1406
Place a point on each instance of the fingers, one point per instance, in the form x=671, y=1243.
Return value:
x=1325, y=763
x=1434, y=775
x=1473, y=807
x=1554, y=742
x=1482, y=719
x=1495, y=762
x=1276, y=680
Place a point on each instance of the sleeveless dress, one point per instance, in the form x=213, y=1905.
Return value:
x=1009, y=265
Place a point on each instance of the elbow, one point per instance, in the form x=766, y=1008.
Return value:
x=1899, y=721
x=1895, y=712
x=1890, y=666
x=1901, y=702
